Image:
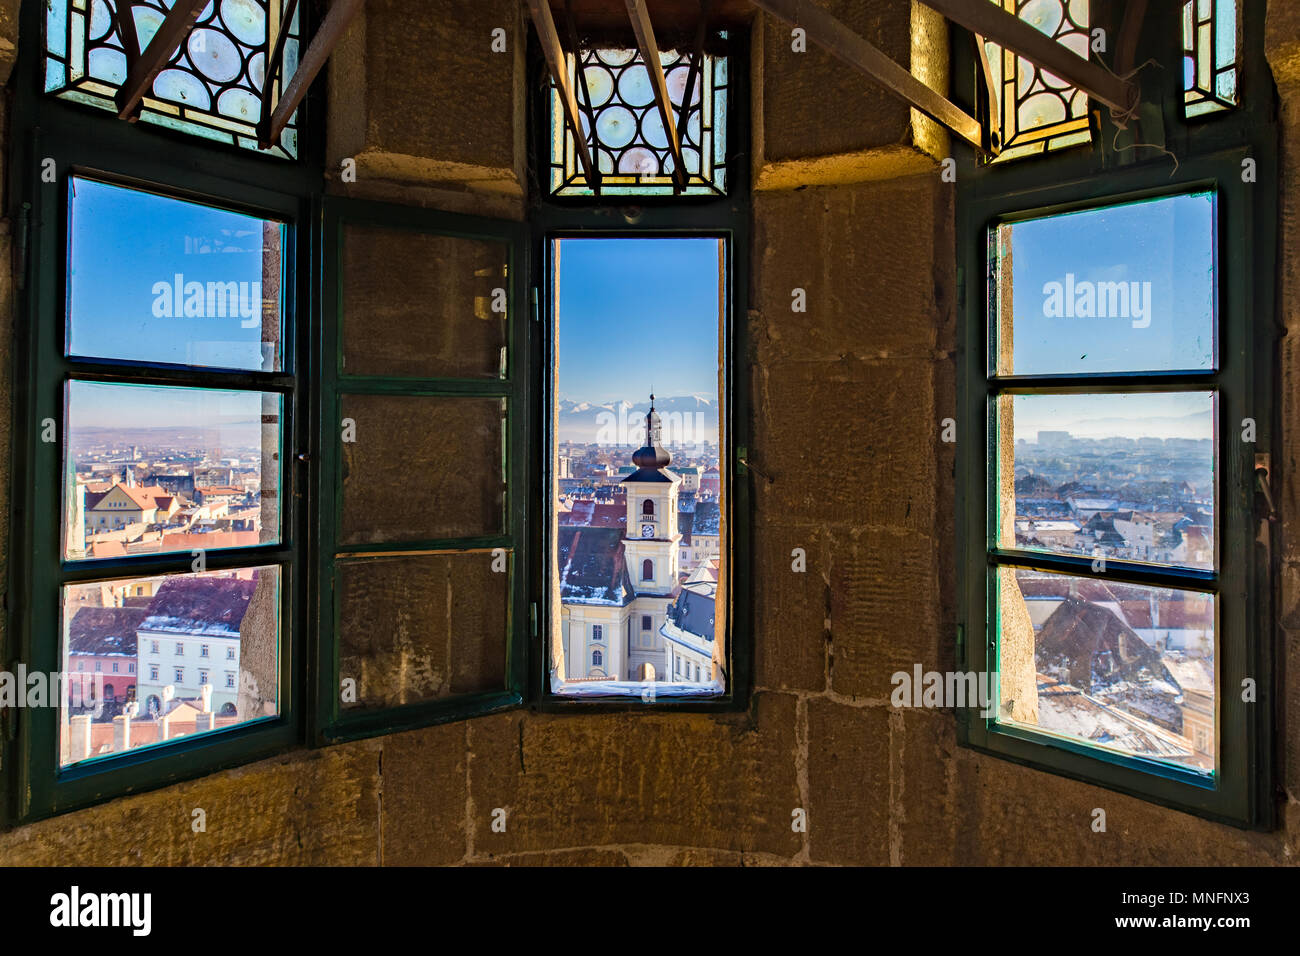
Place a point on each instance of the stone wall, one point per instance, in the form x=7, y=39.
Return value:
x=847, y=401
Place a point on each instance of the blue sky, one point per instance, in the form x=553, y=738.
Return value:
x=123, y=243
x=1168, y=243
x=636, y=315
x=103, y=405
x=1143, y=415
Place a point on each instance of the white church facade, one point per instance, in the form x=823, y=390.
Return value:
x=617, y=585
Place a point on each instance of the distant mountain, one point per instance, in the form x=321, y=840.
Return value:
x=1193, y=425
x=685, y=419
x=245, y=434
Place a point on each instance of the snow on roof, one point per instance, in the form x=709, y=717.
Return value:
x=211, y=606
x=592, y=566
x=105, y=631
x=708, y=518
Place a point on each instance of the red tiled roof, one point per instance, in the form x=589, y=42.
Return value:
x=104, y=630
x=594, y=514
x=183, y=541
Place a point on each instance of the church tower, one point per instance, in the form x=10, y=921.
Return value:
x=651, y=546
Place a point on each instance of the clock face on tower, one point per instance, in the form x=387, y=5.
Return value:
x=647, y=531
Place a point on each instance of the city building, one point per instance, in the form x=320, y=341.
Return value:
x=190, y=637
x=619, y=578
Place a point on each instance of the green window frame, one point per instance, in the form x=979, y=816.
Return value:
x=335, y=722
x=51, y=142
x=1212, y=154
x=85, y=141
x=725, y=217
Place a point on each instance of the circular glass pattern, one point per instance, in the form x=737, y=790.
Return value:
x=181, y=86
x=214, y=55
x=245, y=20
x=615, y=126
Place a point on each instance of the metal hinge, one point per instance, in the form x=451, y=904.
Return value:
x=537, y=307
x=1263, y=481
x=532, y=618
x=744, y=466
x=21, y=244
x=8, y=717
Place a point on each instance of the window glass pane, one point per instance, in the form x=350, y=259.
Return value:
x=212, y=85
x=630, y=145
x=1210, y=31
x=399, y=618
x=422, y=468
x=639, y=500
x=152, y=469
x=1122, y=667
x=194, y=285
x=1120, y=288
x=423, y=305
x=1127, y=476
x=1039, y=111
x=155, y=628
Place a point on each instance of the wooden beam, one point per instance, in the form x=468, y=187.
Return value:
x=645, y=41
x=992, y=97
x=696, y=69
x=1130, y=31
x=545, y=25
x=841, y=42
x=140, y=74
x=331, y=30
x=126, y=30
x=571, y=25
x=274, y=65
x=1008, y=30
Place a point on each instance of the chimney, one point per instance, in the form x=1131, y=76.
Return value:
x=80, y=724
x=121, y=734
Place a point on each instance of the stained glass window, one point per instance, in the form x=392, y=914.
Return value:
x=629, y=144
x=211, y=87
x=1210, y=55
x=1040, y=111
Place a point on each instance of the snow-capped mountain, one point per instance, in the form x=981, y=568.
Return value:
x=685, y=419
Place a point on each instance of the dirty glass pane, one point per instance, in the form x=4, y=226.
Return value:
x=1122, y=667
x=423, y=305
x=147, y=660
x=1126, y=476
x=638, y=499
x=195, y=285
x=401, y=632
x=151, y=469
x=420, y=468
x=1120, y=288
x=210, y=88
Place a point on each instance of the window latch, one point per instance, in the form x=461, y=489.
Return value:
x=744, y=465
x=1262, y=480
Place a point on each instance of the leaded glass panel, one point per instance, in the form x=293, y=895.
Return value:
x=630, y=145
x=1040, y=111
x=1210, y=29
x=211, y=87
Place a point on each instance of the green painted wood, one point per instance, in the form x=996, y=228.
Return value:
x=1211, y=153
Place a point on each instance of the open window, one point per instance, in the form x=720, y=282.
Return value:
x=644, y=500
x=638, y=393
